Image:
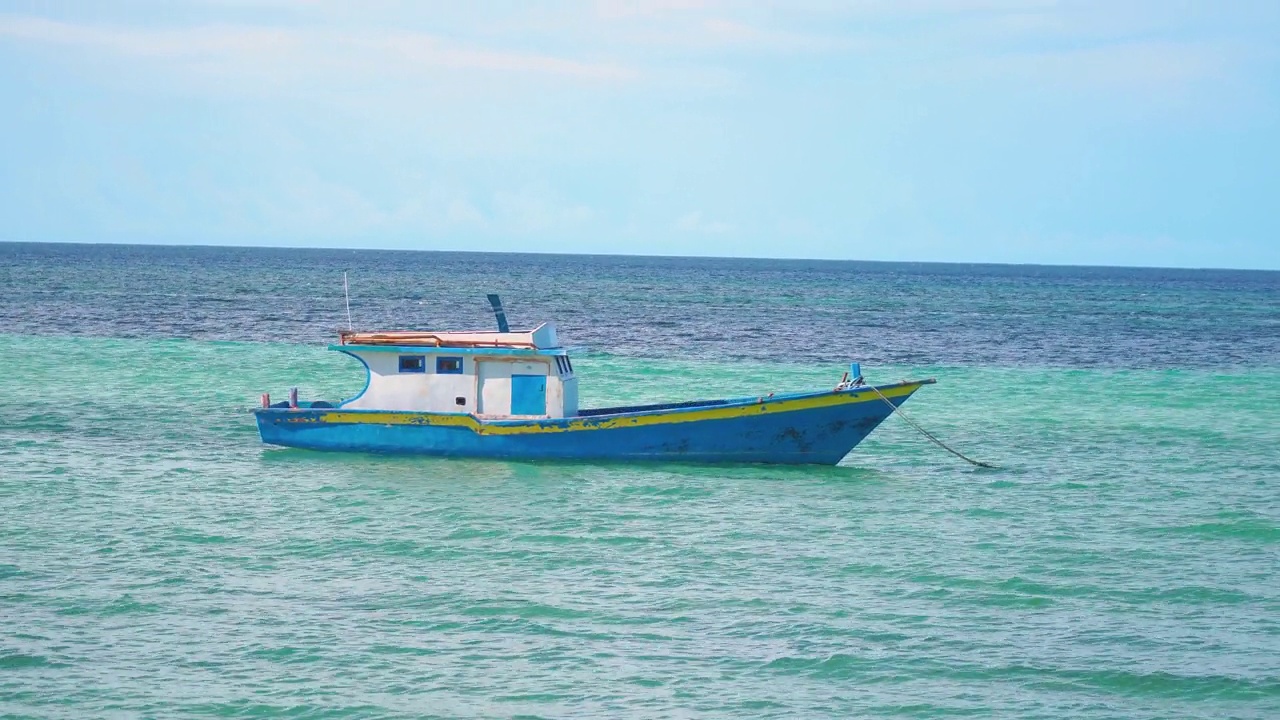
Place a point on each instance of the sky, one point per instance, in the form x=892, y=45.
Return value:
x=1139, y=132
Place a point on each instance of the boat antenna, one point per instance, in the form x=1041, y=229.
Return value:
x=346, y=293
x=499, y=313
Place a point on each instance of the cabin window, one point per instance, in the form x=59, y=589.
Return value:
x=563, y=365
x=449, y=365
x=413, y=363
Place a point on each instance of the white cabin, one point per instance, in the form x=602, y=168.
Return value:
x=489, y=374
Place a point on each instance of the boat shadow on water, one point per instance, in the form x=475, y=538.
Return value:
x=490, y=468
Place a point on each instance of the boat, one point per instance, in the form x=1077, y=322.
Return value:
x=514, y=395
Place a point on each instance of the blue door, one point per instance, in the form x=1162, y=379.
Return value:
x=528, y=394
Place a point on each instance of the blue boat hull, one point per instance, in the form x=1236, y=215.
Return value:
x=811, y=428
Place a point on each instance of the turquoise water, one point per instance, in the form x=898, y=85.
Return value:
x=157, y=561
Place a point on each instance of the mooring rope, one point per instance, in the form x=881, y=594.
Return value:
x=928, y=434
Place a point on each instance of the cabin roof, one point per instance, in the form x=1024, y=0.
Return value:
x=541, y=337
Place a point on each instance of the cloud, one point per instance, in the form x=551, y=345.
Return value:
x=530, y=210
x=1130, y=65
x=289, y=51
x=430, y=51
x=630, y=9
x=667, y=43
x=695, y=222
x=1138, y=71
x=437, y=207
x=727, y=33
x=186, y=42
x=702, y=25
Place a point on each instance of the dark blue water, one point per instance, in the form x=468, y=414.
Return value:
x=794, y=310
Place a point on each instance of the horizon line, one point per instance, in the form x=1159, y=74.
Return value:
x=641, y=255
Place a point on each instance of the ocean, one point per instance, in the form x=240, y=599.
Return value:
x=156, y=560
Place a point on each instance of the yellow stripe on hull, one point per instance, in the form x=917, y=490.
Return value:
x=667, y=417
